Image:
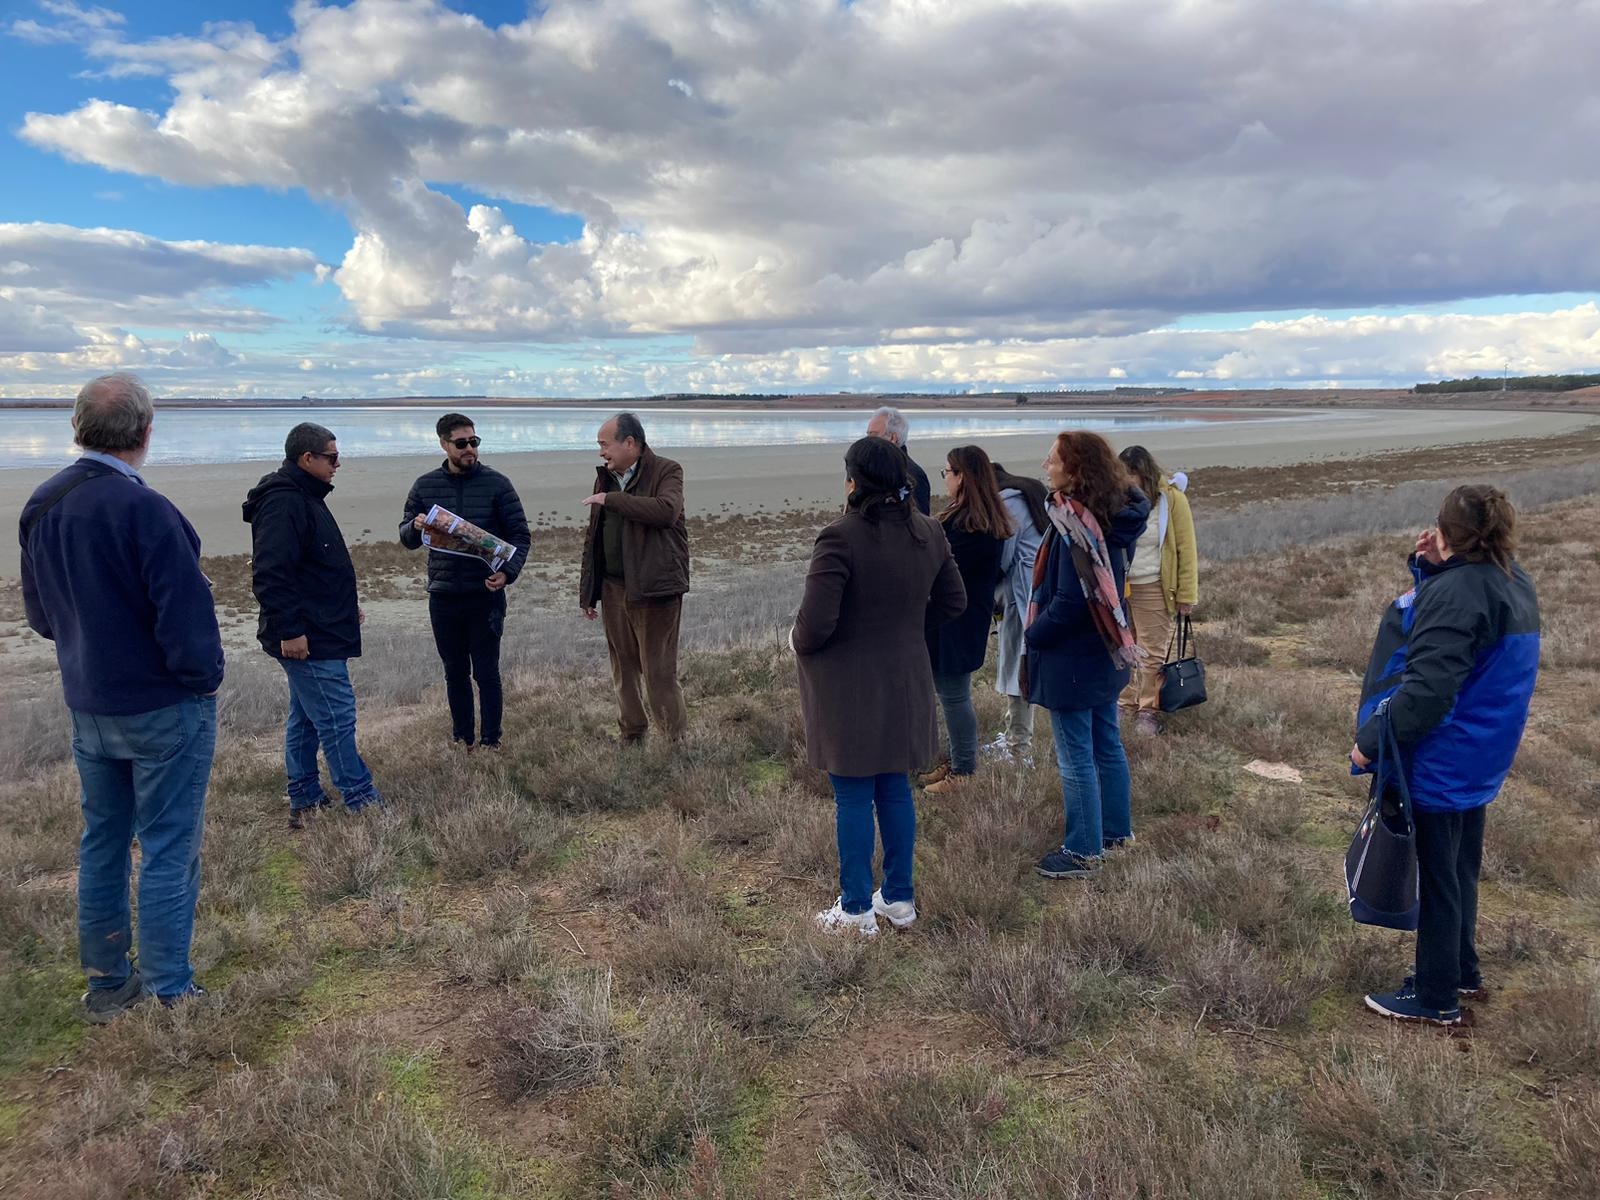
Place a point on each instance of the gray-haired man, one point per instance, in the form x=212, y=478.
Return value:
x=635, y=572
x=111, y=574
x=890, y=425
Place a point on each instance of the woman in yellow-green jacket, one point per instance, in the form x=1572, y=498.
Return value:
x=1163, y=580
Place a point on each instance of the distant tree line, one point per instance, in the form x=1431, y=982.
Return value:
x=1517, y=383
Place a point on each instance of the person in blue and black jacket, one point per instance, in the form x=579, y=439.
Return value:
x=1454, y=665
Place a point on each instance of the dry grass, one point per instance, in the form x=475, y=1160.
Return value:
x=581, y=970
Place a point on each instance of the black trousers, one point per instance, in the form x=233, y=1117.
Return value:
x=466, y=629
x=1449, y=853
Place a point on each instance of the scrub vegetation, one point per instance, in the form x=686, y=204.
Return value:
x=580, y=970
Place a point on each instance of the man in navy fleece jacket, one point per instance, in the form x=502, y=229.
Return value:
x=111, y=574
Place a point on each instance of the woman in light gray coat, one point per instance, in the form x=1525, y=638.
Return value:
x=1024, y=500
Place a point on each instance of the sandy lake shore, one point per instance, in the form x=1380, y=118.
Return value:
x=370, y=492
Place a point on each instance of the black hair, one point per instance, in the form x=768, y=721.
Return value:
x=628, y=427
x=306, y=438
x=882, y=474
x=453, y=421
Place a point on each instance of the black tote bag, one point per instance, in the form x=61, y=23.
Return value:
x=1380, y=868
x=1183, y=679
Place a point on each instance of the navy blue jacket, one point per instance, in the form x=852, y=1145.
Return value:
x=1456, y=659
x=1069, y=667
x=111, y=574
x=486, y=498
x=921, y=493
x=958, y=647
x=300, y=569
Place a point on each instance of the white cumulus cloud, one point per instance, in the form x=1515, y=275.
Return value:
x=773, y=176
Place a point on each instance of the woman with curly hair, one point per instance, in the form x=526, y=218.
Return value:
x=1081, y=647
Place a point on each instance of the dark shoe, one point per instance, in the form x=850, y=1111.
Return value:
x=490, y=747
x=193, y=992
x=1062, y=864
x=297, y=816
x=461, y=744
x=372, y=802
x=1119, y=843
x=1403, y=1005
x=101, y=1006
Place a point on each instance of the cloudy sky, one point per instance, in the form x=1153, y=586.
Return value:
x=604, y=197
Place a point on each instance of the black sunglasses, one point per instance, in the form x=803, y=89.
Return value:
x=462, y=443
x=331, y=455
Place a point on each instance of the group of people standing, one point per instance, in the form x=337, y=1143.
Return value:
x=111, y=574
x=897, y=613
x=1085, y=572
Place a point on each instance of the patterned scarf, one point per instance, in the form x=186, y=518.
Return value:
x=1070, y=520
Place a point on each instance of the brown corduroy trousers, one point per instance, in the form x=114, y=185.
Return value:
x=643, y=642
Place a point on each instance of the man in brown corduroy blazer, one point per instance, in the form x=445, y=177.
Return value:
x=635, y=574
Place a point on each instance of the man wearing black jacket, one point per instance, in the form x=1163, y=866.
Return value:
x=305, y=583
x=467, y=601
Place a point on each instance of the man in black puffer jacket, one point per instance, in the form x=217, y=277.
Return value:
x=305, y=583
x=466, y=601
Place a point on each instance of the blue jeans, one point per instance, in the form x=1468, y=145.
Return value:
x=322, y=711
x=1095, y=790
x=857, y=796
x=960, y=720
x=142, y=776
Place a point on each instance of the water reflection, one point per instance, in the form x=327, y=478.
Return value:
x=221, y=435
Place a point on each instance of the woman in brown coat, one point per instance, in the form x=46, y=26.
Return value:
x=880, y=575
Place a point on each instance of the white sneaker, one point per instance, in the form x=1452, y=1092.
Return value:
x=836, y=920
x=901, y=913
x=999, y=749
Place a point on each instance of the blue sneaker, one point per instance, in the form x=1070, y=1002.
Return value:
x=1063, y=864
x=1475, y=992
x=1403, y=1005
x=193, y=992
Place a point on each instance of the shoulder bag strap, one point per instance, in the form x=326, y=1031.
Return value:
x=1389, y=757
x=58, y=496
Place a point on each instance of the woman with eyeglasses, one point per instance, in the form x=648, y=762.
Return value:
x=1081, y=646
x=977, y=525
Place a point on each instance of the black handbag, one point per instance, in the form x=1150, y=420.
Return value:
x=1183, y=679
x=1380, y=868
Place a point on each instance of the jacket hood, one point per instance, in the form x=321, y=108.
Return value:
x=287, y=477
x=1179, y=480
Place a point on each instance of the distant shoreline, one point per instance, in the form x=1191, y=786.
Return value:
x=1383, y=399
x=761, y=480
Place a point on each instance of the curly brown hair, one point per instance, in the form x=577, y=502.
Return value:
x=1096, y=477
